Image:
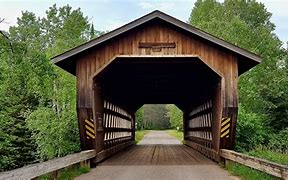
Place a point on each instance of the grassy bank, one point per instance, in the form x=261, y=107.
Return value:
x=245, y=172
x=277, y=157
x=67, y=173
x=177, y=134
x=139, y=135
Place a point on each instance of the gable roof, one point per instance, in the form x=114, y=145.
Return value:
x=61, y=58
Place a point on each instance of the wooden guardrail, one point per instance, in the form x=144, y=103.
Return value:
x=38, y=169
x=268, y=167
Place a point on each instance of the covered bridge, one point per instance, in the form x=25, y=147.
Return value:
x=157, y=59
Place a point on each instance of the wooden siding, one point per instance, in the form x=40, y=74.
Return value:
x=220, y=60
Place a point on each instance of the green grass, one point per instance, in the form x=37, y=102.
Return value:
x=139, y=135
x=277, y=157
x=246, y=173
x=177, y=134
x=67, y=173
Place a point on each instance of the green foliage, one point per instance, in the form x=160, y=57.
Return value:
x=279, y=142
x=263, y=90
x=177, y=134
x=139, y=134
x=17, y=148
x=251, y=131
x=139, y=115
x=155, y=117
x=175, y=116
x=245, y=172
x=68, y=173
x=37, y=100
x=271, y=155
x=55, y=138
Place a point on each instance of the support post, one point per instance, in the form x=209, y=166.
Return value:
x=98, y=111
x=86, y=128
x=228, y=127
x=230, y=108
x=185, y=125
x=133, y=126
x=216, y=115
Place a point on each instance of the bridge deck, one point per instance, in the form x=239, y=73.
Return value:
x=152, y=160
x=158, y=155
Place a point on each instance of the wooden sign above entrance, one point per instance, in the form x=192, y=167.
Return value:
x=157, y=46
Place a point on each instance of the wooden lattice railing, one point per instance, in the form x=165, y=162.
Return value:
x=117, y=125
x=200, y=125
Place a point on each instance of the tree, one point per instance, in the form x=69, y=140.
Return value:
x=155, y=117
x=139, y=118
x=175, y=116
x=248, y=24
x=37, y=100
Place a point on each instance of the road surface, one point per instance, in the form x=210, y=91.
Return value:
x=158, y=156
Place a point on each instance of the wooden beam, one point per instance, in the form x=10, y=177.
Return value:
x=185, y=126
x=206, y=128
x=217, y=104
x=210, y=153
x=268, y=167
x=38, y=169
x=98, y=112
x=109, y=111
x=111, y=129
x=133, y=126
x=109, y=152
x=157, y=44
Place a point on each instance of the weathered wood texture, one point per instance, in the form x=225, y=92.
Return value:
x=112, y=150
x=274, y=169
x=219, y=59
x=118, y=125
x=98, y=113
x=87, y=129
x=158, y=154
x=36, y=170
x=167, y=40
x=208, y=152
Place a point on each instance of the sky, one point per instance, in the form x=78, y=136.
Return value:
x=110, y=14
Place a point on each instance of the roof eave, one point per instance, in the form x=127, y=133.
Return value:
x=146, y=18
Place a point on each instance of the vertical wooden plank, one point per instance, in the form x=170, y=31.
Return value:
x=185, y=125
x=133, y=122
x=230, y=109
x=98, y=111
x=216, y=115
x=87, y=142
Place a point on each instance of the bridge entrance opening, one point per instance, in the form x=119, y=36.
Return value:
x=157, y=59
x=129, y=82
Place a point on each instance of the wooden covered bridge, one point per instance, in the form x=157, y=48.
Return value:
x=157, y=59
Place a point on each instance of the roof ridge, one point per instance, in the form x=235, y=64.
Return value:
x=148, y=17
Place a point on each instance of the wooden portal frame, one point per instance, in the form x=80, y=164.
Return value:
x=155, y=35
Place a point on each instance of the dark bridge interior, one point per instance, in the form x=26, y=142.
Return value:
x=184, y=81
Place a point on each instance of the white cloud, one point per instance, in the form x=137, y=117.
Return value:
x=113, y=24
x=277, y=7
x=163, y=6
